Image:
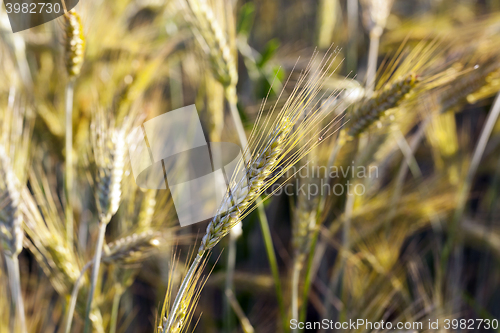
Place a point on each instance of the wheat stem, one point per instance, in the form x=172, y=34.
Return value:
x=372, y=58
x=229, y=284
x=114, y=310
x=95, y=273
x=74, y=297
x=271, y=257
x=352, y=23
x=69, y=161
x=311, y=268
x=182, y=290
x=246, y=326
x=15, y=287
x=471, y=172
x=297, y=268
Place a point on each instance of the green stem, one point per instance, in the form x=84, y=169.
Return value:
x=69, y=161
x=271, y=256
x=246, y=326
x=308, y=278
x=95, y=273
x=15, y=287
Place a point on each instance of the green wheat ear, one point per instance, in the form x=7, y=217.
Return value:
x=372, y=109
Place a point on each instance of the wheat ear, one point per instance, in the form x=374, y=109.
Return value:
x=11, y=232
x=131, y=249
x=74, y=47
x=222, y=223
x=109, y=151
x=261, y=171
x=213, y=41
x=374, y=107
x=465, y=85
x=49, y=246
x=74, y=43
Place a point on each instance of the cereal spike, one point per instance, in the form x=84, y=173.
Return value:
x=110, y=174
x=131, y=249
x=260, y=169
x=74, y=44
x=375, y=107
x=221, y=58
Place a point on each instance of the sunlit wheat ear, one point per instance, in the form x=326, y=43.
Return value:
x=109, y=153
x=374, y=107
x=11, y=232
x=74, y=43
x=260, y=169
x=131, y=249
x=44, y=227
x=283, y=146
x=212, y=39
x=273, y=152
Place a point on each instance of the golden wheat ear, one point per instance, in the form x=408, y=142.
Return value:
x=74, y=43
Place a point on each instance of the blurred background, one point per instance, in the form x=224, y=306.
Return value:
x=416, y=85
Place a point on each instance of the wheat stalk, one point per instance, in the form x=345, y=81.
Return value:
x=74, y=47
x=109, y=154
x=305, y=225
x=375, y=17
x=277, y=148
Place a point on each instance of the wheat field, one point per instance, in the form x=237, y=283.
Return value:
x=367, y=191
